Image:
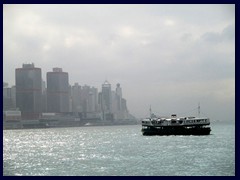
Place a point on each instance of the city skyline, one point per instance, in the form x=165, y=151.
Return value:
x=33, y=99
x=168, y=56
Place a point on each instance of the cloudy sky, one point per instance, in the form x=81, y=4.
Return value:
x=168, y=56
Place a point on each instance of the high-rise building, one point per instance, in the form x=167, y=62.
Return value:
x=76, y=98
x=13, y=96
x=70, y=98
x=29, y=91
x=119, y=106
x=92, y=100
x=114, y=104
x=57, y=91
x=124, y=108
x=9, y=98
x=84, y=98
x=44, y=97
x=119, y=97
x=106, y=99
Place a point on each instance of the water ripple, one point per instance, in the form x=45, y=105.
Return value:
x=116, y=150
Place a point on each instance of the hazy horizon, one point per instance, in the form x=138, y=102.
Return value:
x=168, y=56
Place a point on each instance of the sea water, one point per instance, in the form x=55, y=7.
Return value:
x=117, y=151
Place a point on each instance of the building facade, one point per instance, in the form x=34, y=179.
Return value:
x=76, y=98
x=44, y=97
x=29, y=91
x=57, y=91
x=9, y=98
x=119, y=97
x=106, y=99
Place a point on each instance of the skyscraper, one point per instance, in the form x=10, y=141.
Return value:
x=9, y=98
x=57, y=91
x=44, y=97
x=106, y=100
x=92, y=100
x=76, y=98
x=119, y=97
x=29, y=91
x=84, y=98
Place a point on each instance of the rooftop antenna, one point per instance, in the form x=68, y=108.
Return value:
x=150, y=110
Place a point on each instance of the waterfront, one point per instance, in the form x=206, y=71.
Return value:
x=117, y=150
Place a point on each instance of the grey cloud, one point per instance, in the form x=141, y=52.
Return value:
x=227, y=33
x=212, y=37
x=186, y=37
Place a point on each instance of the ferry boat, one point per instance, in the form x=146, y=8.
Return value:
x=176, y=126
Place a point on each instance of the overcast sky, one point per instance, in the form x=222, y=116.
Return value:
x=168, y=56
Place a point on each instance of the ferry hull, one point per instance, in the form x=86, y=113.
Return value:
x=176, y=131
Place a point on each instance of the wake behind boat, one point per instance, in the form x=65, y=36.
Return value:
x=176, y=126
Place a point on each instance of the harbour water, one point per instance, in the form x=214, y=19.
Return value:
x=117, y=151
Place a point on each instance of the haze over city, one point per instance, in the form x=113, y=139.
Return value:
x=168, y=56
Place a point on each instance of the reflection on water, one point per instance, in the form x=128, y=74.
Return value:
x=117, y=150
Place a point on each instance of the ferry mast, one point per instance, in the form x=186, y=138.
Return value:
x=198, y=109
